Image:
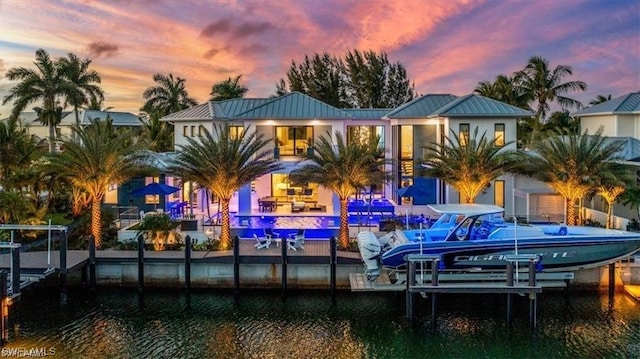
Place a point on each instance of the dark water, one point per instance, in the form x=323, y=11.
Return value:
x=112, y=324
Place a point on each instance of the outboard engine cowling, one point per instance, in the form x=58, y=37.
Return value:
x=369, y=247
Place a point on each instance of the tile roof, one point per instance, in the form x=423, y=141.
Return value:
x=623, y=105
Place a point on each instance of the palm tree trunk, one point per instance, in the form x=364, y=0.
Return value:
x=96, y=221
x=52, y=136
x=344, y=224
x=75, y=110
x=609, y=215
x=225, y=229
x=571, y=212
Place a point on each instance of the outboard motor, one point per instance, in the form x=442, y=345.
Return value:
x=369, y=247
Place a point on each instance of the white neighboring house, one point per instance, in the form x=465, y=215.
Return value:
x=63, y=129
x=620, y=121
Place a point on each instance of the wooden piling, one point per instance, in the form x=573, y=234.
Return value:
x=92, y=262
x=284, y=248
x=612, y=280
x=236, y=264
x=187, y=262
x=15, y=274
x=333, y=261
x=140, y=263
x=4, y=309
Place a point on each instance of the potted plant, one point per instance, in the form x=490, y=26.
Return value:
x=159, y=230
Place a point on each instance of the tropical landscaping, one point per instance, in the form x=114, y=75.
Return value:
x=37, y=180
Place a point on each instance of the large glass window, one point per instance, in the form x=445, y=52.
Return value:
x=235, y=132
x=293, y=140
x=464, y=134
x=498, y=193
x=365, y=133
x=151, y=198
x=499, y=134
x=406, y=142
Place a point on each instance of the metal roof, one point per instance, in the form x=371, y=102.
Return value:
x=233, y=107
x=118, y=118
x=198, y=112
x=623, y=105
x=294, y=105
x=367, y=113
x=479, y=106
x=422, y=106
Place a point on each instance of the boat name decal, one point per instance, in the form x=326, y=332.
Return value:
x=500, y=257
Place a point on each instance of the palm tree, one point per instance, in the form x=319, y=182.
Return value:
x=17, y=151
x=610, y=194
x=169, y=96
x=82, y=81
x=544, y=85
x=600, y=99
x=344, y=168
x=157, y=134
x=572, y=164
x=468, y=165
x=96, y=105
x=103, y=156
x=504, y=89
x=47, y=84
x=228, y=89
x=223, y=164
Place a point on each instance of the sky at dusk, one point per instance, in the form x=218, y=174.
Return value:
x=446, y=46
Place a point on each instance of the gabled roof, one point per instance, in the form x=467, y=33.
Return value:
x=233, y=107
x=422, y=106
x=623, y=105
x=294, y=105
x=119, y=118
x=198, y=112
x=479, y=106
x=367, y=113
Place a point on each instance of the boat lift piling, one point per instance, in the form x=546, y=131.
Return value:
x=333, y=261
x=510, y=287
x=284, y=247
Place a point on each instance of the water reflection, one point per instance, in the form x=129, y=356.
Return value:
x=212, y=324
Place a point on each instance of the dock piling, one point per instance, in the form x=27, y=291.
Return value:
x=187, y=262
x=236, y=265
x=92, y=262
x=140, y=263
x=15, y=270
x=4, y=310
x=333, y=261
x=284, y=247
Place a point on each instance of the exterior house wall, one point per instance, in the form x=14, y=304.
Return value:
x=628, y=125
x=592, y=123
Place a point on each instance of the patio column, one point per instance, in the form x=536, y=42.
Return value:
x=244, y=199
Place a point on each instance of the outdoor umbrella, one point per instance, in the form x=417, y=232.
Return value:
x=155, y=189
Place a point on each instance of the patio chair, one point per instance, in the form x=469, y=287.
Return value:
x=296, y=241
x=263, y=242
x=269, y=233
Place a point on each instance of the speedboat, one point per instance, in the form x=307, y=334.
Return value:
x=476, y=237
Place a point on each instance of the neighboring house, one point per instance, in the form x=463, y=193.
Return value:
x=295, y=120
x=63, y=129
x=620, y=120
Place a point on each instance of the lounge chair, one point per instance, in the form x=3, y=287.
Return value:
x=296, y=241
x=297, y=206
x=263, y=242
x=269, y=233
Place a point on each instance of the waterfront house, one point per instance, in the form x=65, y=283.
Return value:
x=294, y=120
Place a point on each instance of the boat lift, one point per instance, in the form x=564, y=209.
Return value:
x=16, y=283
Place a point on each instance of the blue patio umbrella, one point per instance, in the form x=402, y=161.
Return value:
x=411, y=191
x=155, y=189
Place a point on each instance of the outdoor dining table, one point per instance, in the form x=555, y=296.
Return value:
x=268, y=204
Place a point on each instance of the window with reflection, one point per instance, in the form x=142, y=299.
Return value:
x=235, y=132
x=293, y=140
x=364, y=134
x=406, y=142
x=464, y=134
x=499, y=134
x=498, y=193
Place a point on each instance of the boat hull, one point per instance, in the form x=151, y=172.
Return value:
x=556, y=254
